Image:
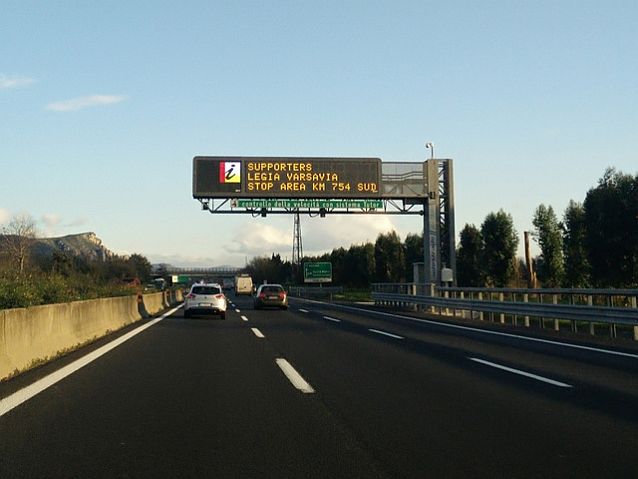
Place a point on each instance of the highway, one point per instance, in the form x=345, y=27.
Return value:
x=324, y=390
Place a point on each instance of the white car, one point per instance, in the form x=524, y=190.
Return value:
x=205, y=299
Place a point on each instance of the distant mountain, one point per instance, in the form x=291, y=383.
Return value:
x=84, y=245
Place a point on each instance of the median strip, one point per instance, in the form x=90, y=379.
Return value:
x=294, y=377
x=521, y=373
x=390, y=335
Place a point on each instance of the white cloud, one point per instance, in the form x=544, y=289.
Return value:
x=7, y=82
x=4, y=216
x=258, y=238
x=51, y=221
x=76, y=222
x=182, y=261
x=324, y=234
x=80, y=103
x=54, y=223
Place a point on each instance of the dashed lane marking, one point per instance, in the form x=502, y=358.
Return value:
x=294, y=377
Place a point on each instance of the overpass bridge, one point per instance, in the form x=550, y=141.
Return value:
x=190, y=274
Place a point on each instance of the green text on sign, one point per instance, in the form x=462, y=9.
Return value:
x=329, y=204
x=317, y=272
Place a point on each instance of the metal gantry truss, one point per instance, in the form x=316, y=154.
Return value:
x=446, y=215
x=390, y=207
x=297, y=245
x=424, y=189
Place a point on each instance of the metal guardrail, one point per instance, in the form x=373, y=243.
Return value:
x=505, y=302
x=314, y=291
x=558, y=311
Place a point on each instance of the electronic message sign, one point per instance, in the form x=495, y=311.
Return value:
x=268, y=177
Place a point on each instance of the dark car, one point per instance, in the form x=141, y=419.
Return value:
x=271, y=295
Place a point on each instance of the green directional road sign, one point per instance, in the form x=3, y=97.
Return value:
x=317, y=272
x=295, y=203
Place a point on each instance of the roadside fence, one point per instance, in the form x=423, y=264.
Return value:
x=611, y=311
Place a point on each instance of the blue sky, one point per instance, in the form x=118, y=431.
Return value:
x=104, y=104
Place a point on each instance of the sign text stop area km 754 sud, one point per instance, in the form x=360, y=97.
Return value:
x=317, y=272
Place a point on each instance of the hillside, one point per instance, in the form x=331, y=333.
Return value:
x=84, y=245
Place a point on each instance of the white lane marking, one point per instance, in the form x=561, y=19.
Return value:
x=386, y=334
x=23, y=395
x=244, y=318
x=334, y=320
x=257, y=333
x=237, y=311
x=303, y=310
x=294, y=377
x=522, y=373
x=486, y=331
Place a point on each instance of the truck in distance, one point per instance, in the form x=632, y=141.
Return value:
x=243, y=284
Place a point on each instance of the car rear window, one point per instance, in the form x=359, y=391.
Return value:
x=272, y=289
x=206, y=290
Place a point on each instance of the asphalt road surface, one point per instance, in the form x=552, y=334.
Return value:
x=323, y=391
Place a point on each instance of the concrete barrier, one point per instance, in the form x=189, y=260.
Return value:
x=154, y=302
x=30, y=336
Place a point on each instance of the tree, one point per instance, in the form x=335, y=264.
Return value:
x=548, y=233
x=272, y=269
x=413, y=253
x=499, y=253
x=141, y=267
x=17, y=238
x=361, y=265
x=339, y=259
x=389, y=258
x=469, y=266
x=611, y=219
x=575, y=246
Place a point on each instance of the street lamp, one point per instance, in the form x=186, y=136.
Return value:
x=429, y=145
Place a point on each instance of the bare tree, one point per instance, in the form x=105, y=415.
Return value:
x=17, y=237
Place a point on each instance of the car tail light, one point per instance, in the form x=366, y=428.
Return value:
x=282, y=295
x=191, y=296
x=219, y=296
x=262, y=295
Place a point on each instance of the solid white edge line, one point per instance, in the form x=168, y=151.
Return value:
x=486, y=331
x=294, y=377
x=257, y=333
x=334, y=320
x=303, y=310
x=10, y=402
x=244, y=318
x=522, y=373
x=385, y=334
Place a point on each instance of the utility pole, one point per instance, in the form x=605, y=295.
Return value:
x=528, y=261
x=297, y=248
